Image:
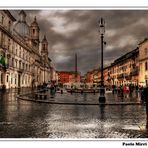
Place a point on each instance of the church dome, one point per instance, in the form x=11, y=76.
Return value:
x=21, y=27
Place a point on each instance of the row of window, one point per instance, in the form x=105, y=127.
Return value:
x=122, y=69
x=19, y=64
x=20, y=52
x=145, y=66
x=14, y=48
x=14, y=80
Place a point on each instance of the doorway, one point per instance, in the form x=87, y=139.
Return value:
x=146, y=82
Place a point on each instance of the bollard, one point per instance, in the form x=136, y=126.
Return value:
x=71, y=91
x=94, y=92
x=61, y=91
x=113, y=91
x=81, y=91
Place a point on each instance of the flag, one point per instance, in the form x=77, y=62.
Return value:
x=2, y=61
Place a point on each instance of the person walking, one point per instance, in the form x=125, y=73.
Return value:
x=52, y=89
x=141, y=92
x=145, y=95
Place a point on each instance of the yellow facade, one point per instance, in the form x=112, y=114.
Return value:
x=143, y=62
x=123, y=71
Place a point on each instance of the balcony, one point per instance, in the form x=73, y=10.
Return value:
x=128, y=77
x=120, y=76
x=20, y=70
x=4, y=68
x=124, y=76
x=134, y=72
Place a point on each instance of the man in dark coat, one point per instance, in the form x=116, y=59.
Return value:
x=145, y=93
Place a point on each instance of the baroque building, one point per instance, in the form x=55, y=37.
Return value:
x=24, y=60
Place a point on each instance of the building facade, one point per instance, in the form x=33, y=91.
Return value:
x=123, y=71
x=24, y=59
x=89, y=77
x=143, y=62
x=68, y=77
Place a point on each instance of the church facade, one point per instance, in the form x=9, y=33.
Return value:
x=24, y=60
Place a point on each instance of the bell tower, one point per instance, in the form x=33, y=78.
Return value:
x=44, y=46
x=35, y=33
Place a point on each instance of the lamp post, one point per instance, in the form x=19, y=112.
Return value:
x=44, y=69
x=102, y=98
x=76, y=73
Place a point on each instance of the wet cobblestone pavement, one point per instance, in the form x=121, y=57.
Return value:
x=26, y=119
x=87, y=98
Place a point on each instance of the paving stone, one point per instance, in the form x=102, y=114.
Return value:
x=20, y=118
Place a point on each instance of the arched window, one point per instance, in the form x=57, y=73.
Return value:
x=33, y=31
x=20, y=64
x=11, y=78
x=145, y=51
x=2, y=19
x=146, y=66
x=7, y=78
x=9, y=25
x=12, y=62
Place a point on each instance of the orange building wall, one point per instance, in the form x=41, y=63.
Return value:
x=67, y=77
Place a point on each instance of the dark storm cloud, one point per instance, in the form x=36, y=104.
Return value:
x=76, y=31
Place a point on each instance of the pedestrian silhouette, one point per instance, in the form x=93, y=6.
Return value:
x=52, y=90
x=145, y=98
x=147, y=125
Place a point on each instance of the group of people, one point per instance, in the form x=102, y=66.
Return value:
x=130, y=88
x=144, y=98
x=53, y=87
x=126, y=88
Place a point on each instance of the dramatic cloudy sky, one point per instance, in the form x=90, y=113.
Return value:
x=76, y=31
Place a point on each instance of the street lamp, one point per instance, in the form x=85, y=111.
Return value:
x=102, y=98
x=44, y=68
